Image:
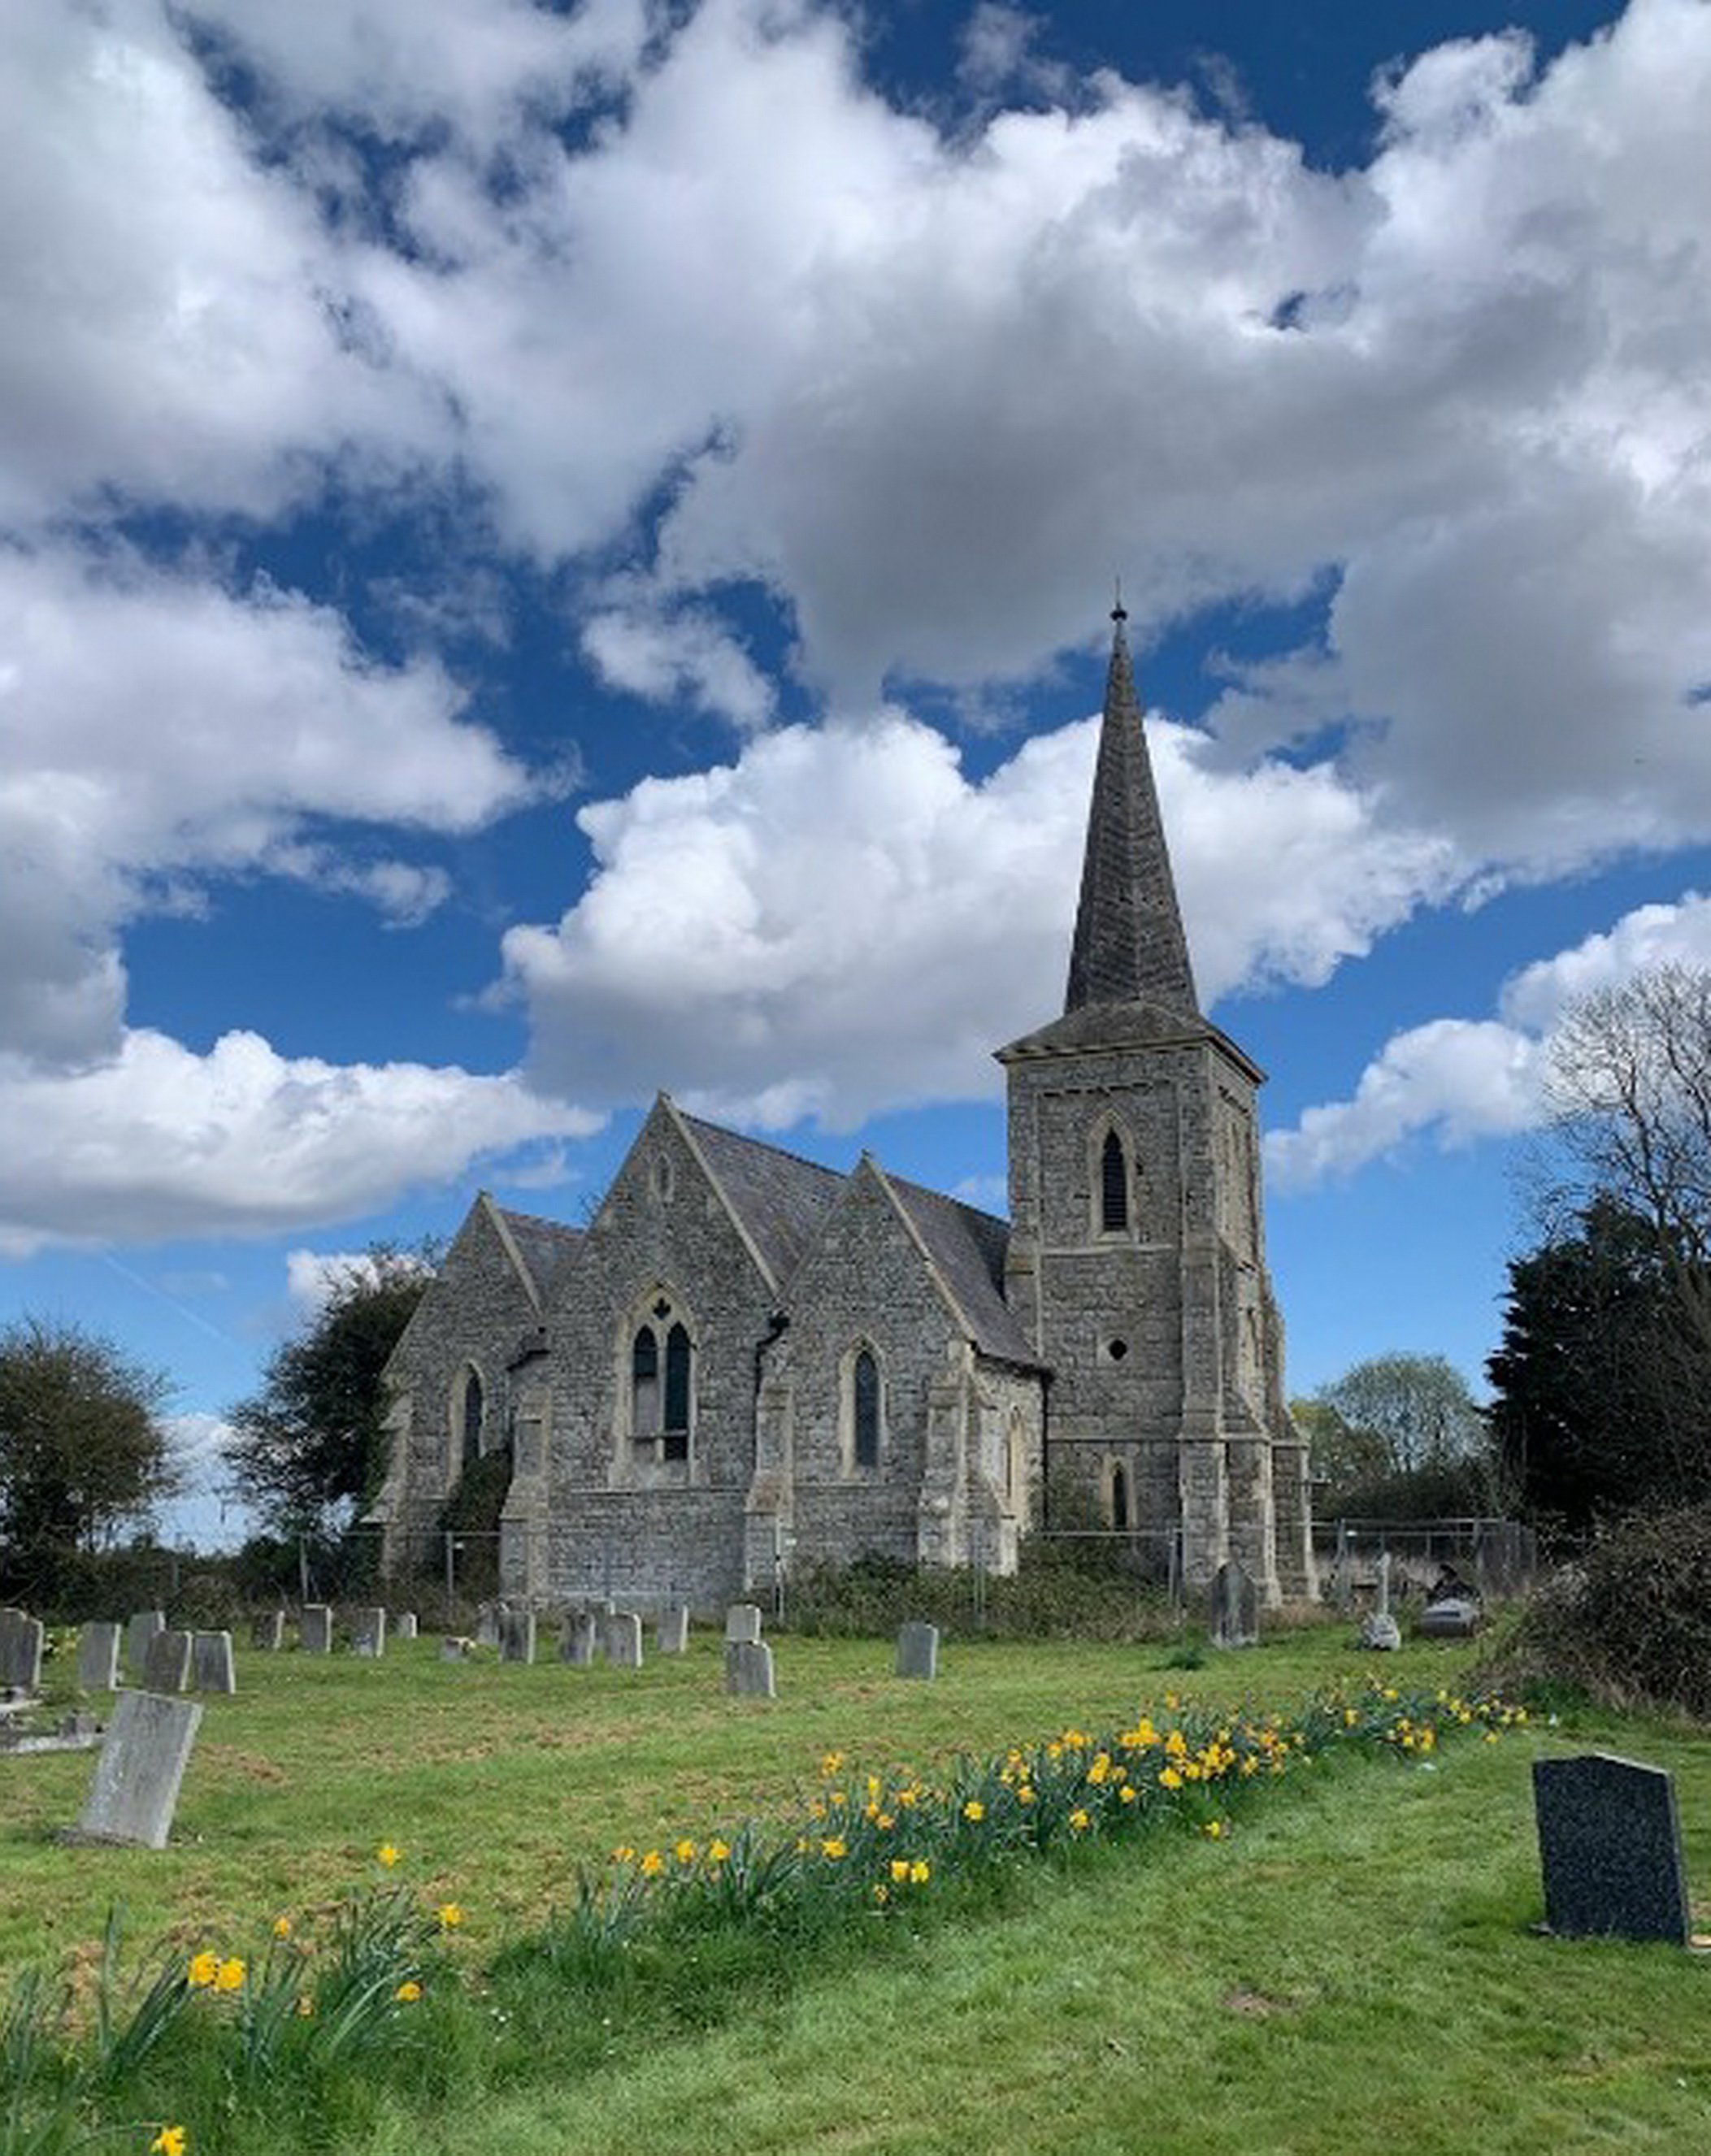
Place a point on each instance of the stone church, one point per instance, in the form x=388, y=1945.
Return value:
x=747, y=1360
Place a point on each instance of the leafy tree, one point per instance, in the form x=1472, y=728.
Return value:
x=311, y=1444
x=83, y=1449
x=1417, y=1407
x=1341, y=1457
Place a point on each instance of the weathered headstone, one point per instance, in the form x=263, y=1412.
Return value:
x=140, y=1630
x=137, y=1776
x=1609, y=1848
x=404, y=1625
x=268, y=1631
x=98, y=1657
x=21, y=1639
x=369, y=1632
x=517, y=1635
x=671, y=1633
x=918, y=1650
x=624, y=1640
x=167, y=1665
x=1450, y=1617
x=211, y=1668
x=1233, y=1607
x=579, y=1638
x=1379, y=1632
x=488, y=1619
x=455, y=1649
x=748, y=1669
x=315, y=1629
x=743, y=1624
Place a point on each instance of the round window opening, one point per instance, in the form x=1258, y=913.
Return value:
x=1117, y=1350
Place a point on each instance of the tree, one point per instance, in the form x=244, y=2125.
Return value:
x=83, y=1449
x=1417, y=1406
x=311, y=1444
x=1342, y=1458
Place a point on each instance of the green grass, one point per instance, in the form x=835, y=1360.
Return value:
x=1353, y=1970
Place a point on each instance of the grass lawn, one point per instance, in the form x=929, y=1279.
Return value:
x=1353, y=1969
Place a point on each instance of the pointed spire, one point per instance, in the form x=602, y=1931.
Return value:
x=1129, y=945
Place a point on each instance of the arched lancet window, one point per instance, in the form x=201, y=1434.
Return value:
x=473, y=1415
x=644, y=1384
x=1119, y=1498
x=1113, y=1185
x=677, y=1390
x=864, y=1403
x=1015, y=1465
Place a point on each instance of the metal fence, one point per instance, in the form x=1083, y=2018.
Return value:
x=1499, y=1557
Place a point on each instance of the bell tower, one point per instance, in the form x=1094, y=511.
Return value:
x=1136, y=1262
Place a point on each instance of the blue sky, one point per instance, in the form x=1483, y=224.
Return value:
x=549, y=553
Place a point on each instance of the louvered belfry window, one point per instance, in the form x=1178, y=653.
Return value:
x=1113, y=1185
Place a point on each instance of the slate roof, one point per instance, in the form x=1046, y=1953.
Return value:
x=781, y=1200
x=546, y=1247
x=967, y=1248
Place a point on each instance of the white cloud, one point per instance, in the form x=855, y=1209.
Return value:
x=159, y=1144
x=314, y=1277
x=686, y=656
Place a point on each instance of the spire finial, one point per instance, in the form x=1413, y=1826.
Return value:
x=1119, y=612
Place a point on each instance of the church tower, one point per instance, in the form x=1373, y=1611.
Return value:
x=1136, y=1266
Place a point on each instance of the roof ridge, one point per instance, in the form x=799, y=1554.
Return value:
x=765, y=1145
x=948, y=1197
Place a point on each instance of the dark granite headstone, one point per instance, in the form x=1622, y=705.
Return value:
x=1610, y=1848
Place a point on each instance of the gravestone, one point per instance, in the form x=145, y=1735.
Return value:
x=211, y=1668
x=517, y=1635
x=369, y=1632
x=268, y=1631
x=624, y=1640
x=579, y=1638
x=671, y=1634
x=140, y=1630
x=98, y=1657
x=404, y=1625
x=315, y=1629
x=1450, y=1617
x=1233, y=1607
x=454, y=1649
x=1379, y=1633
x=1609, y=1848
x=488, y=1625
x=137, y=1776
x=743, y=1624
x=167, y=1665
x=918, y=1650
x=748, y=1669
x=21, y=1639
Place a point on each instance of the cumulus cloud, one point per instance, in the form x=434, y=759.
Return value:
x=314, y=1277
x=1454, y=1080
x=689, y=656
x=160, y=1143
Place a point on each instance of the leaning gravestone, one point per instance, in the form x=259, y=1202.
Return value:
x=1609, y=1848
x=98, y=1657
x=918, y=1650
x=579, y=1639
x=138, y=1633
x=748, y=1669
x=671, y=1633
x=143, y=1762
x=211, y=1668
x=404, y=1625
x=624, y=1640
x=517, y=1635
x=369, y=1632
x=743, y=1624
x=167, y=1665
x=268, y=1631
x=1379, y=1632
x=21, y=1640
x=1233, y=1607
x=315, y=1629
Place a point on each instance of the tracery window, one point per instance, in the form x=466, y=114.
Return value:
x=662, y=1381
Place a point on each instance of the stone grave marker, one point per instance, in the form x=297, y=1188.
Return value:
x=369, y=1632
x=140, y=1630
x=748, y=1669
x=268, y=1631
x=21, y=1639
x=98, y=1657
x=454, y=1649
x=1609, y=1848
x=167, y=1665
x=671, y=1633
x=1450, y=1617
x=1379, y=1632
x=624, y=1640
x=743, y=1624
x=487, y=1624
x=1233, y=1607
x=579, y=1638
x=404, y=1625
x=315, y=1629
x=137, y=1776
x=517, y=1635
x=918, y=1650
x=211, y=1668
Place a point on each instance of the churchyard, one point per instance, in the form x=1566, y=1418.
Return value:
x=1349, y=1964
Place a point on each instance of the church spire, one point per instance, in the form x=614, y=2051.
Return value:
x=1129, y=946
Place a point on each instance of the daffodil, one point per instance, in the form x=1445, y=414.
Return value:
x=1079, y=1821
x=203, y=1968
x=408, y=1992
x=974, y=1811
x=717, y=1850
x=387, y=1854
x=685, y=1851
x=282, y=1928
x=920, y=1872
x=169, y=2141
x=652, y=1864
x=450, y=1916
x=229, y=1975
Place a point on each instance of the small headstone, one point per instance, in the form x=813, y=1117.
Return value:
x=140, y=1630
x=624, y=1640
x=671, y=1633
x=517, y=1635
x=369, y=1632
x=1610, y=1848
x=1450, y=1619
x=487, y=1624
x=579, y=1638
x=315, y=1629
x=743, y=1624
x=404, y=1625
x=98, y=1657
x=1379, y=1632
x=454, y=1649
x=167, y=1665
x=918, y=1650
x=211, y=1668
x=137, y=1776
x=268, y=1631
x=748, y=1669
x=21, y=1640
x=1233, y=1611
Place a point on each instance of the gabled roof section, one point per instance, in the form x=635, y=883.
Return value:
x=543, y=1250
x=778, y=1199
x=966, y=1249
x=1129, y=945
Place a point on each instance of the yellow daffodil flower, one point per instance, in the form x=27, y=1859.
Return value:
x=203, y=1968
x=387, y=1854
x=282, y=1928
x=450, y=1916
x=169, y=2141
x=408, y=1992
x=229, y=1975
